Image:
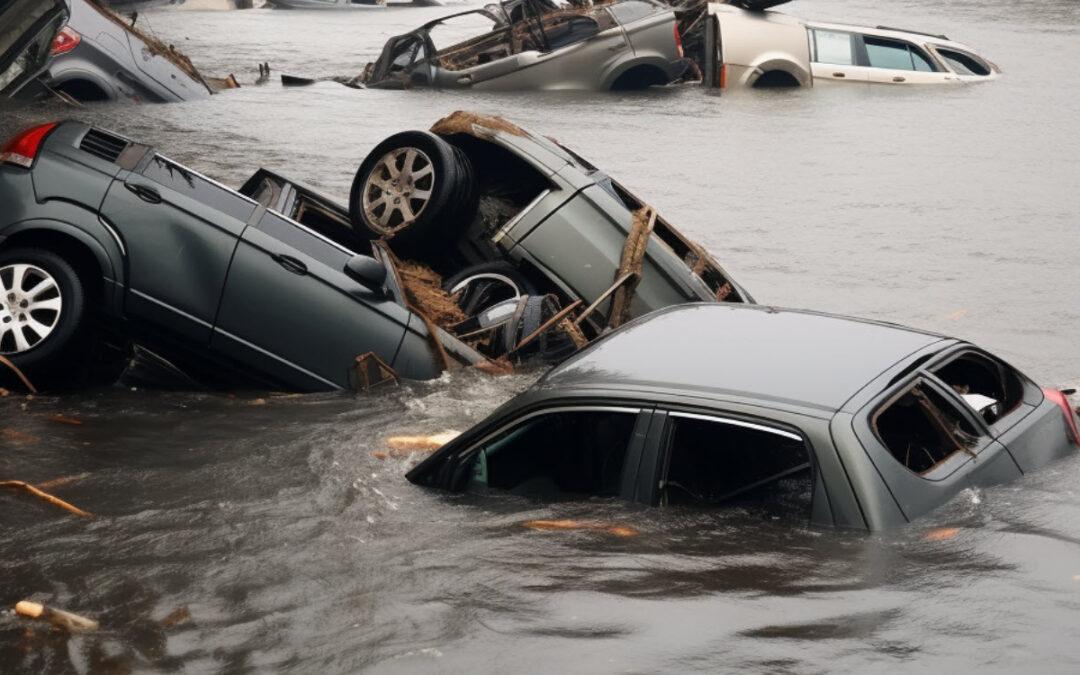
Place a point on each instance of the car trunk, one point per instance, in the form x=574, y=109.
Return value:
x=25, y=43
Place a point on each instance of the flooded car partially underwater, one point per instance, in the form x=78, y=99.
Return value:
x=477, y=243
x=27, y=31
x=539, y=44
x=828, y=419
x=742, y=43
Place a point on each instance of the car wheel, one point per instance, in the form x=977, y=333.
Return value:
x=43, y=313
x=480, y=287
x=415, y=190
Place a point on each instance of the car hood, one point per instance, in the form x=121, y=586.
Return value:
x=27, y=33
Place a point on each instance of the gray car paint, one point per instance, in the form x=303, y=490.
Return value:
x=818, y=375
x=118, y=63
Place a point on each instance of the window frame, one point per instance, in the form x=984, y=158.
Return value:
x=854, y=44
x=953, y=462
x=466, y=457
x=1009, y=418
x=937, y=49
x=912, y=49
x=665, y=442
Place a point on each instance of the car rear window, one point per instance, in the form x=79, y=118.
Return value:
x=833, y=47
x=922, y=429
x=964, y=64
x=989, y=387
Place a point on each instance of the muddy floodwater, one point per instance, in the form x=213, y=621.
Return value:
x=257, y=532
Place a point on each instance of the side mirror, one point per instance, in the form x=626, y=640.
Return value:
x=366, y=270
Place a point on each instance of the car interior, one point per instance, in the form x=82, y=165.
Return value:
x=992, y=389
x=558, y=455
x=709, y=463
x=922, y=429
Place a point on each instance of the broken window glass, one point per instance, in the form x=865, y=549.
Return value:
x=990, y=388
x=833, y=47
x=964, y=64
x=711, y=461
x=558, y=454
x=922, y=429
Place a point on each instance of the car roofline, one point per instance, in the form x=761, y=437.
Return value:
x=896, y=33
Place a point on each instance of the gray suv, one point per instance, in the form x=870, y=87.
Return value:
x=477, y=243
x=538, y=44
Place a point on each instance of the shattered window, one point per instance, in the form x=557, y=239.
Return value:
x=833, y=47
x=990, y=388
x=711, y=461
x=922, y=429
x=557, y=454
x=963, y=64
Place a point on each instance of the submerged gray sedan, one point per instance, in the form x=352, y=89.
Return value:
x=873, y=423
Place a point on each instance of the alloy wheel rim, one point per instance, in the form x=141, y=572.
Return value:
x=30, y=307
x=398, y=189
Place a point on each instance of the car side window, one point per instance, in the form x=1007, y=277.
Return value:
x=922, y=429
x=713, y=460
x=992, y=389
x=963, y=64
x=833, y=47
x=559, y=453
x=895, y=55
x=627, y=12
x=186, y=182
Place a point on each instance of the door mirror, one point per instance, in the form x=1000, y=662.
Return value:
x=367, y=270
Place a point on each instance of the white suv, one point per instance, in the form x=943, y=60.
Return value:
x=768, y=49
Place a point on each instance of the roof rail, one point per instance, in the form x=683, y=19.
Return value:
x=915, y=32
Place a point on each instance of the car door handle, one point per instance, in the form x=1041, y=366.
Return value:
x=290, y=263
x=839, y=75
x=899, y=79
x=145, y=193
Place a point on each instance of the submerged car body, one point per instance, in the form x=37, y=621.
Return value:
x=749, y=47
x=102, y=58
x=274, y=285
x=537, y=44
x=882, y=423
x=27, y=31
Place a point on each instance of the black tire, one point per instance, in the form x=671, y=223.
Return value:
x=450, y=206
x=475, y=300
x=55, y=359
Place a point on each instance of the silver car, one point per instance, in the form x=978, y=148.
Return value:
x=538, y=44
x=100, y=57
x=27, y=31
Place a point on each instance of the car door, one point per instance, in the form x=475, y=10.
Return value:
x=290, y=311
x=899, y=62
x=27, y=29
x=180, y=230
x=835, y=57
x=927, y=445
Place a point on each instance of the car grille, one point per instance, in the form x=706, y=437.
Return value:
x=103, y=145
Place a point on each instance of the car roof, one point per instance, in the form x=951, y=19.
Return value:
x=809, y=359
x=918, y=37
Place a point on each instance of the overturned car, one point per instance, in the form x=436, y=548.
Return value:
x=539, y=44
x=476, y=243
x=835, y=421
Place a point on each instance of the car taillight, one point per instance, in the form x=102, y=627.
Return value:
x=678, y=41
x=66, y=40
x=23, y=149
x=1062, y=402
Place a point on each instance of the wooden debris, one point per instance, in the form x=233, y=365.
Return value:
x=57, y=617
x=412, y=443
x=61, y=481
x=18, y=437
x=18, y=373
x=561, y=525
x=55, y=501
x=942, y=534
x=461, y=122
x=177, y=617
x=370, y=371
x=71, y=421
